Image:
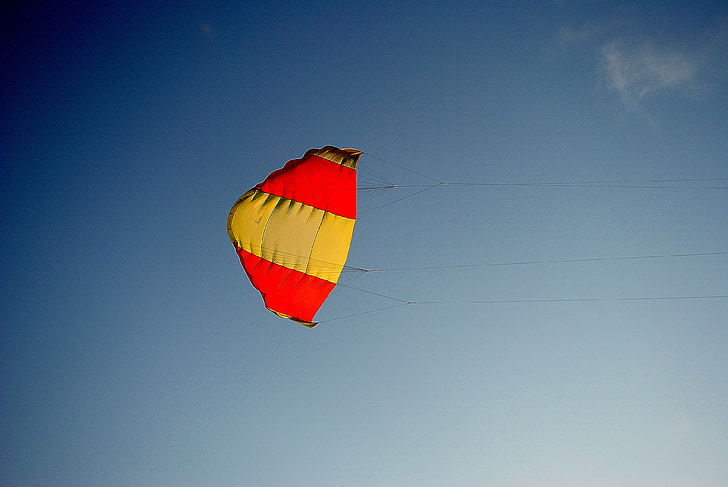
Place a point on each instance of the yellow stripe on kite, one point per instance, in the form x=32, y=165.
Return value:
x=248, y=219
x=345, y=157
x=291, y=234
x=331, y=247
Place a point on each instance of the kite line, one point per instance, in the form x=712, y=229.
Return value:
x=405, y=302
x=402, y=302
x=664, y=183
x=537, y=262
x=371, y=183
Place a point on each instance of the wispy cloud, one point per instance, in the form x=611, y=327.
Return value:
x=639, y=69
x=636, y=72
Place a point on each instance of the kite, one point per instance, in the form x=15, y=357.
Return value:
x=292, y=232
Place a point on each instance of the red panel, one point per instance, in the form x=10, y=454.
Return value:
x=315, y=182
x=284, y=290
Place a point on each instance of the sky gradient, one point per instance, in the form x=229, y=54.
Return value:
x=135, y=352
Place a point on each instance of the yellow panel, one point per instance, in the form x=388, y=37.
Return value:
x=331, y=247
x=289, y=235
x=345, y=157
x=248, y=219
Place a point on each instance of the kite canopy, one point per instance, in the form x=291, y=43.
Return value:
x=292, y=232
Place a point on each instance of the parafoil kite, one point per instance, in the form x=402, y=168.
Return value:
x=292, y=232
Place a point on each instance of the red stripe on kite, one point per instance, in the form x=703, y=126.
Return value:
x=284, y=290
x=316, y=182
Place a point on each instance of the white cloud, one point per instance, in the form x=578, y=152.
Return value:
x=637, y=67
x=636, y=72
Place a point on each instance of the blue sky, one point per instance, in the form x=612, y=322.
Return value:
x=134, y=351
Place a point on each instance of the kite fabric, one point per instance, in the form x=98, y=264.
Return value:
x=292, y=232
